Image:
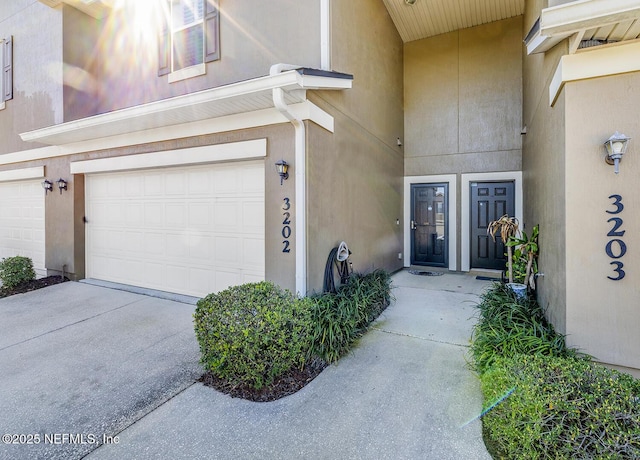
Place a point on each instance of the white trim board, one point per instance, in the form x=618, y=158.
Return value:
x=267, y=117
x=465, y=199
x=451, y=179
x=22, y=174
x=593, y=63
x=190, y=156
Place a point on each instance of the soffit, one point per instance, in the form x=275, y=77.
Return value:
x=94, y=8
x=242, y=97
x=426, y=18
x=604, y=21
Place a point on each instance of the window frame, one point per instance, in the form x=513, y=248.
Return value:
x=210, y=23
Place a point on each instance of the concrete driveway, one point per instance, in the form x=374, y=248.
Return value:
x=79, y=363
x=111, y=374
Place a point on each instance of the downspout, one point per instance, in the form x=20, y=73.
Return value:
x=300, y=203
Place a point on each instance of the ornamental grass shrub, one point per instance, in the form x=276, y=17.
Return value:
x=508, y=326
x=339, y=319
x=561, y=408
x=15, y=271
x=253, y=333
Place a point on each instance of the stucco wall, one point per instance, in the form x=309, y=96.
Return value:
x=37, y=71
x=543, y=165
x=463, y=100
x=603, y=316
x=254, y=34
x=355, y=174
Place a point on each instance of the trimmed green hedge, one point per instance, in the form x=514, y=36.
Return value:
x=561, y=408
x=253, y=333
x=15, y=271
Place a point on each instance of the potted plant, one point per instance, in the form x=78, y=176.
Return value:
x=525, y=256
x=507, y=229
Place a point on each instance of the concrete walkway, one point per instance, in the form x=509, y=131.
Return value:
x=404, y=393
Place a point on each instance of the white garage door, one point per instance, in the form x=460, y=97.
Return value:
x=189, y=230
x=22, y=221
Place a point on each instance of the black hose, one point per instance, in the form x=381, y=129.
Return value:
x=342, y=267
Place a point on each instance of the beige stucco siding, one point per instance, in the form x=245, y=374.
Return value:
x=603, y=316
x=354, y=175
x=463, y=100
x=254, y=35
x=543, y=165
x=37, y=70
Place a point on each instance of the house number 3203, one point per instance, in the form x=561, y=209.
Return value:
x=286, y=224
x=616, y=247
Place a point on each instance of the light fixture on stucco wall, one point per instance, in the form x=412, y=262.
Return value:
x=47, y=185
x=62, y=184
x=282, y=168
x=616, y=146
x=409, y=2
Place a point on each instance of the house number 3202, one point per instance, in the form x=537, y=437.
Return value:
x=616, y=248
x=286, y=224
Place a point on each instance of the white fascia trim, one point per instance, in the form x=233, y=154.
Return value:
x=266, y=117
x=465, y=200
x=190, y=156
x=586, y=14
x=290, y=80
x=595, y=62
x=22, y=174
x=562, y=21
x=451, y=179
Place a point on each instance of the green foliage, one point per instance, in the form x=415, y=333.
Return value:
x=525, y=257
x=253, y=333
x=562, y=408
x=340, y=318
x=15, y=271
x=507, y=326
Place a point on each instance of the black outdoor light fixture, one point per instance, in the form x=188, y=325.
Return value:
x=282, y=168
x=47, y=185
x=62, y=184
x=616, y=146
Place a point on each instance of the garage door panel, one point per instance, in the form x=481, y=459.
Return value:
x=22, y=225
x=196, y=229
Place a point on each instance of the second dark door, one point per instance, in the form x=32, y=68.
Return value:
x=489, y=201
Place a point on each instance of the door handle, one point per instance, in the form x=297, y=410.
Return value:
x=413, y=225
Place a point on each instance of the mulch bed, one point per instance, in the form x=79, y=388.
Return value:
x=286, y=385
x=32, y=285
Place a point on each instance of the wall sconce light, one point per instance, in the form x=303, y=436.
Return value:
x=409, y=2
x=616, y=146
x=47, y=185
x=62, y=184
x=282, y=168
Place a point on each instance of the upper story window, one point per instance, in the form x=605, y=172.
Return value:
x=190, y=38
x=6, y=59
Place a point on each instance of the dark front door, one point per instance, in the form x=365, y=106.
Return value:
x=429, y=224
x=489, y=201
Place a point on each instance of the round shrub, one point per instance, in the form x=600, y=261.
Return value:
x=15, y=271
x=253, y=333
